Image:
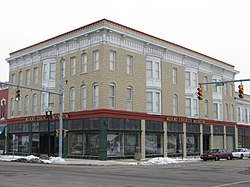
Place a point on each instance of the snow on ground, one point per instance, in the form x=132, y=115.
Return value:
x=59, y=160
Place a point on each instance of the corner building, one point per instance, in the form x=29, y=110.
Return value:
x=127, y=94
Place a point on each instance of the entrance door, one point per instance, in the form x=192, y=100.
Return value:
x=206, y=142
x=44, y=144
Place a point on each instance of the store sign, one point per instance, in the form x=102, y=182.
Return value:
x=43, y=118
x=185, y=120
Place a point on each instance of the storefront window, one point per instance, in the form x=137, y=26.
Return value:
x=92, y=144
x=131, y=143
x=153, y=143
x=114, y=144
x=193, y=144
x=76, y=145
x=175, y=145
x=35, y=143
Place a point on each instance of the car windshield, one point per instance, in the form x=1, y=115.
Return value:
x=213, y=150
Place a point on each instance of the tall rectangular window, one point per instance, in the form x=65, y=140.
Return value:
x=232, y=112
x=95, y=96
x=34, y=104
x=43, y=103
x=72, y=99
x=175, y=105
x=149, y=70
x=112, y=95
x=157, y=102
x=27, y=81
x=62, y=67
x=26, y=105
x=12, y=107
x=231, y=92
x=84, y=63
x=72, y=66
x=19, y=105
x=35, y=76
x=45, y=72
x=129, y=64
x=195, y=79
x=112, y=60
x=51, y=101
x=187, y=79
x=216, y=110
x=129, y=98
x=96, y=60
x=13, y=78
x=52, y=71
x=188, y=106
x=206, y=108
x=174, y=75
x=195, y=108
x=226, y=112
x=157, y=70
x=205, y=86
x=149, y=105
x=246, y=115
x=83, y=97
x=20, y=78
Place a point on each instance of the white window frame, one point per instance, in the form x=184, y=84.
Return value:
x=52, y=71
x=72, y=66
x=129, y=64
x=149, y=69
x=84, y=63
x=206, y=109
x=20, y=77
x=19, y=107
x=95, y=95
x=153, y=101
x=205, y=86
x=174, y=75
x=187, y=78
x=34, y=104
x=35, y=75
x=129, y=98
x=83, y=97
x=26, y=111
x=72, y=99
x=175, y=104
x=188, y=107
x=112, y=60
x=112, y=90
x=96, y=60
x=27, y=81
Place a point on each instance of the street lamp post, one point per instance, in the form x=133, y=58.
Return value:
x=48, y=114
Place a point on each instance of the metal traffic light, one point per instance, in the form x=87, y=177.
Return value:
x=17, y=96
x=199, y=93
x=56, y=133
x=241, y=91
x=65, y=133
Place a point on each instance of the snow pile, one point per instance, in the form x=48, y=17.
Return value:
x=159, y=161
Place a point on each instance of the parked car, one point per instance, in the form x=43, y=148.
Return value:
x=217, y=154
x=241, y=153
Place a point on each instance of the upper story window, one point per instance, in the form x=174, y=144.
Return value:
x=72, y=99
x=206, y=109
x=95, y=95
x=129, y=98
x=83, y=97
x=153, y=69
x=84, y=63
x=174, y=75
x=231, y=92
x=195, y=79
x=232, y=112
x=205, y=86
x=191, y=107
x=62, y=67
x=35, y=76
x=51, y=101
x=45, y=72
x=226, y=112
x=72, y=66
x=27, y=81
x=96, y=60
x=129, y=64
x=3, y=106
x=52, y=71
x=112, y=60
x=187, y=79
x=26, y=111
x=19, y=109
x=20, y=78
x=112, y=95
x=188, y=106
x=191, y=79
x=175, y=105
x=217, y=110
x=13, y=78
x=43, y=101
x=153, y=101
x=12, y=107
x=34, y=104
x=216, y=88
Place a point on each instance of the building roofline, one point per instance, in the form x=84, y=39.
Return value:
x=125, y=27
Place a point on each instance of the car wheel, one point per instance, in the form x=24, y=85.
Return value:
x=241, y=156
x=216, y=158
x=228, y=157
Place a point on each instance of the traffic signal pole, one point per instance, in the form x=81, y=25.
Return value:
x=221, y=83
x=60, y=94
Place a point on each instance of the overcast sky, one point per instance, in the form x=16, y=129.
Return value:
x=217, y=28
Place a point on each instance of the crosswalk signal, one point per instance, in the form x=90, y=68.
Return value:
x=56, y=133
x=199, y=93
x=17, y=96
x=65, y=133
x=241, y=91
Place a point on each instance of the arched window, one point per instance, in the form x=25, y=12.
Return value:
x=72, y=99
x=34, y=104
x=112, y=95
x=83, y=97
x=26, y=105
x=95, y=95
